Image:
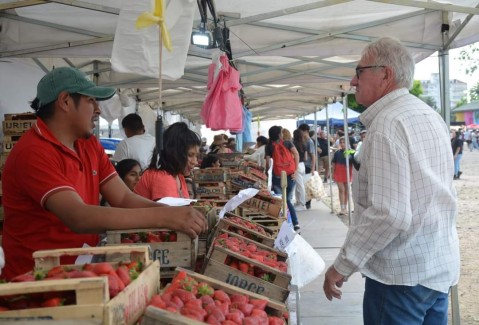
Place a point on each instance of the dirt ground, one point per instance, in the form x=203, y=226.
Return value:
x=468, y=230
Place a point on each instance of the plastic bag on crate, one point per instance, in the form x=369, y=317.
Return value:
x=304, y=263
x=314, y=187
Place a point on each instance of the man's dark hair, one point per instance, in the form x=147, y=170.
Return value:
x=262, y=140
x=304, y=127
x=133, y=122
x=46, y=111
x=177, y=140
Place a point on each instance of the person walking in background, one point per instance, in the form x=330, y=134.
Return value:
x=323, y=153
x=340, y=175
x=357, y=154
x=457, y=148
x=475, y=136
x=285, y=158
x=300, y=191
x=309, y=156
x=467, y=137
x=403, y=236
x=165, y=176
x=287, y=135
x=138, y=144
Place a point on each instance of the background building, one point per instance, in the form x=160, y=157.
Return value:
x=431, y=88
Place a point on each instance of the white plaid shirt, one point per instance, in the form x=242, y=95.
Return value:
x=404, y=224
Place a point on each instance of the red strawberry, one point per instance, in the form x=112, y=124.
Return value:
x=228, y=322
x=79, y=274
x=173, y=237
x=216, y=312
x=239, y=298
x=212, y=320
x=234, y=265
x=223, y=235
x=176, y=302
x=3, y=308
x=124, y=274
x=224, y=307
x=221, y=296
x=259, y=313
x=245, y=308
x=27, y=277
x=259, y=303
x=157, y=301
x=276, y=321
x=204, y=289
x=207, y=300
x=103, y=268
x=18, y=303
x=194, y=303
x=235, y=316
x=126, y=241
x=53, y=302
x=88, y=267
x=56, y=270
x=152, y=238
x=172, y=309
x=243, y=267
x=184, y=295
x=115, y=284
x=135, y=237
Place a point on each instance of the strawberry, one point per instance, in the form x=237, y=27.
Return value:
x=189, y=284
x=207, y=300
x=53, y=302
x=56, y=270
x=245, y=308
x=173, y=237
x=194, y=303
x=176, y=302
x=234, y=265
x=135, y=266
x=172, y=309
x=124, y=274
x=135, y=238
x=259, y=313
x=224, y=307
x=235, y=316
x=126, y=241
x=27, y=277
x=103, y=268
x=115, y=284
x=20, y=302
x=157, y=301
x=216, y=312
x=251, y=321
x=184, y=295
x=204, y=289
x=239, y=298
x=243, y=267
x=223, y=235
x=152, y=238
x=3, y=308
x=88, y=267
x=259, y=303
x=229, y=322
x=276, y=321
x=221, y=296
x=212, y=320
x=252, y=247
x=74, y=274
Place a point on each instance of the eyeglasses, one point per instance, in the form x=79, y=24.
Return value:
x=359, y=70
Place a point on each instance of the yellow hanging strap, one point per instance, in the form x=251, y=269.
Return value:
x=147, y=19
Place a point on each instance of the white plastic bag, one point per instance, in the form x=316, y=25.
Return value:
x=314, y=187
x=304, y=263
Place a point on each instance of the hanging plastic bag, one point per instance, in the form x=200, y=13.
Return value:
x=304, y=263
x=314, y=187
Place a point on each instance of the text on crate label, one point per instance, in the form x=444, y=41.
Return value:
x=162, y=256
x=243, y=284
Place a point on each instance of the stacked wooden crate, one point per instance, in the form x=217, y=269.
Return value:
x=211, y=183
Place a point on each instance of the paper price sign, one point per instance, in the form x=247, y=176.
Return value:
x=285, y=237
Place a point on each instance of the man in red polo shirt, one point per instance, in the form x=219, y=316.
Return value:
x=54, y=176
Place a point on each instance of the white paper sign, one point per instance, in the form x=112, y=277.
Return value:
x=175, y=201
x=285, y=237
x=236, y=200
x=84, y=259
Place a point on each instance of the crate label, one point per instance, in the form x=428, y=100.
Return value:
x=18, y=124
x=285, y=237
x=244, y=284
x=162, y=255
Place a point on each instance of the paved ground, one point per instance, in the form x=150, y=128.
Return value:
x=325, y=233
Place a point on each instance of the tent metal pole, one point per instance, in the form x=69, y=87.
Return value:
x=95, y=80
x=316, y=140
x=348, y=166
x=444, y=86
x=329, y=159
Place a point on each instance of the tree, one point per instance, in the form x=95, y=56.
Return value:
x=429, y=100
x=474, y=92
x=461, y=102
x=469, y=57
x=416, y=89
x=354, y=105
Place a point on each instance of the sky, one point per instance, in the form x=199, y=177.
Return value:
x=457, y=68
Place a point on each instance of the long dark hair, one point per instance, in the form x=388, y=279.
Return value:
x=177, y=140
x=298, y=141
x=274, y=133
x=209, y=160
x=124, y=166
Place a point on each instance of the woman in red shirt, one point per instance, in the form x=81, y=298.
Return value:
x=166, y=177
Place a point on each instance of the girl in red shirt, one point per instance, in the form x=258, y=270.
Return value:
x=166, y=177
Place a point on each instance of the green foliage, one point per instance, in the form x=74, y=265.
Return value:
x=463, y=101
x=429, y=100
x=469, y=57
x=354, y=105
x=416, y=89
x=474, y=92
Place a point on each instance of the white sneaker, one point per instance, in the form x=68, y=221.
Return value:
x=300, y=208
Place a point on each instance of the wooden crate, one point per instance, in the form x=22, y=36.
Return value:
x=93, y=301
x=181, y=253
x=209, y=175
x=158, y=316
x=7, y=146
x=19, y=116
x=17, y=126
x=225, y=224
x=215, y=267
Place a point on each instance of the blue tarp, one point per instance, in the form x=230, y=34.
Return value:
x=335, y=115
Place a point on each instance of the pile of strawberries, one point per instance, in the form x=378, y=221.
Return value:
x=201, y=302
x=118, y=279
x=250, y=250
x=149, y=237
x=249, y=225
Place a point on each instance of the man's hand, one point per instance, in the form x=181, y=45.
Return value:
x=332, y=281
x=188, y=220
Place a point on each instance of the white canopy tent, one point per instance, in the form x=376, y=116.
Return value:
x=293, y=55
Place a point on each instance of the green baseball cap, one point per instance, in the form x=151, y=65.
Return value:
x=72, y=81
